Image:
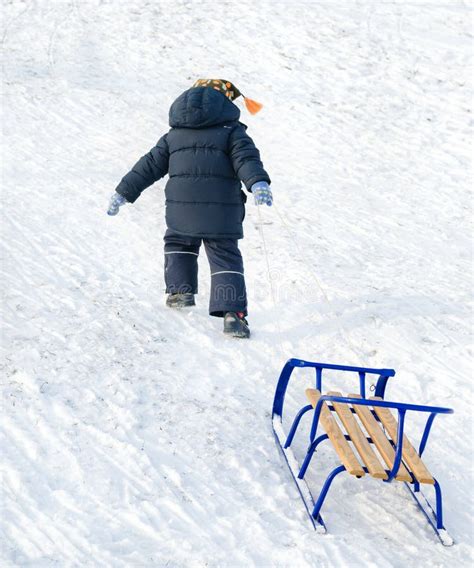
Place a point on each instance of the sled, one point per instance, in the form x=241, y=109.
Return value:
x=356, y=426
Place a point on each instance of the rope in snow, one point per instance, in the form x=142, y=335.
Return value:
x=270, y=281
x=262, y=235
x=341, y=328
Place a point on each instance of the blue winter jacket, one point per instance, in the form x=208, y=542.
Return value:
x=207, y=153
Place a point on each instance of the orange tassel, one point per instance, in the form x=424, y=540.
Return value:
x=252, y=106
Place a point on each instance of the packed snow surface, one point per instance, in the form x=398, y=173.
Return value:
x=132, y=435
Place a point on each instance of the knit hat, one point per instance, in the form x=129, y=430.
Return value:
x=230, y=91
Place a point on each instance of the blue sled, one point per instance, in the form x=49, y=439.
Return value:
x=284, y=441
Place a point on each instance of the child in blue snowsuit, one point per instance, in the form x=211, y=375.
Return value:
x=207, y=154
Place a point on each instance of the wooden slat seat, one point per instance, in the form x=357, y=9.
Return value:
x=342, y=447
x=359, y=439
x=379, y=437
x=409, y=454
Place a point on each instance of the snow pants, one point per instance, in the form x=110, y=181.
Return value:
x=228, y=293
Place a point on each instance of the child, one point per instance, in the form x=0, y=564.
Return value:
x=207, y=153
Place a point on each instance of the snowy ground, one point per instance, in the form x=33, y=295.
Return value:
x=136, y=436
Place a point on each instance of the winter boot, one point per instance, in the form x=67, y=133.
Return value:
x=180, y=300
x=236, y=325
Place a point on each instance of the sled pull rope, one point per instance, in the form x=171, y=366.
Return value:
x=342, y=331
x=270, y=281
x=265, y=253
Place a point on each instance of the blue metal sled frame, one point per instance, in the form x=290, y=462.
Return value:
x=284, y=441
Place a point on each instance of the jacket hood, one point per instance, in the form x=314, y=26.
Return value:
x=200, y=107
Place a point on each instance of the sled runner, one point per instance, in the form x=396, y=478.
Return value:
x=356, y=424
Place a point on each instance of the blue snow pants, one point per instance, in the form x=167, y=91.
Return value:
x=228, y=293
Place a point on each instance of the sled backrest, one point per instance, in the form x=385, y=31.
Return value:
x=361, y=373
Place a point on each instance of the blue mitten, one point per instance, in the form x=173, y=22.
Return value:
x=262, y=193
x=116, y=201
